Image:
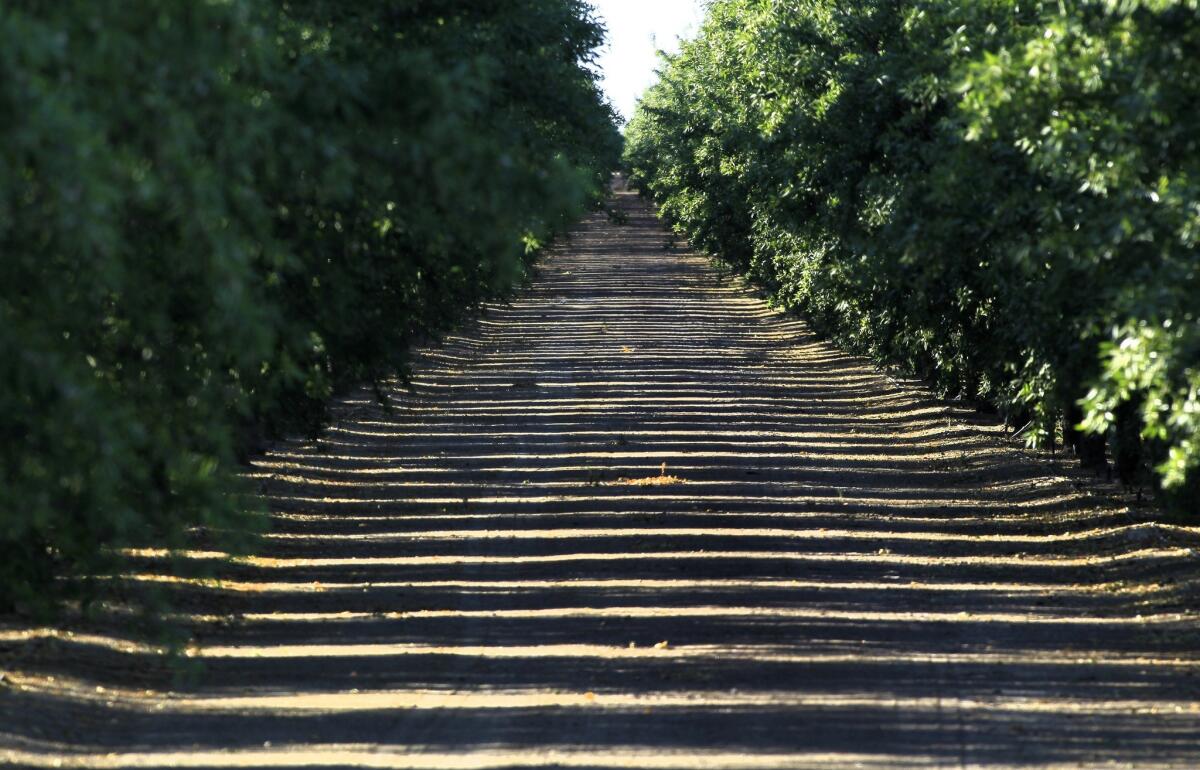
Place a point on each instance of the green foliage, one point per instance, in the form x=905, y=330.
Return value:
x=213, y=215
x=998, y=196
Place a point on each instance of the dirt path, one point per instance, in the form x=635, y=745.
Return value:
x=638, y=519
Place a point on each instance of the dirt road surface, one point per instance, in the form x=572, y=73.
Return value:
x=636, y=518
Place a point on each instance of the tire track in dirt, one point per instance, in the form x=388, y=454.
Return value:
x=636, y=518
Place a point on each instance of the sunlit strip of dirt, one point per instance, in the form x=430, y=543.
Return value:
x=355, y=700
x=782, y=556
x=816, y=533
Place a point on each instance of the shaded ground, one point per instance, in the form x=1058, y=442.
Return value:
x=637, y=519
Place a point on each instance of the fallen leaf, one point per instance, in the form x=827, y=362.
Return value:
x=648, y=481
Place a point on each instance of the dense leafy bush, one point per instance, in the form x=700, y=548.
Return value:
x=213, y=215
x=998, y=196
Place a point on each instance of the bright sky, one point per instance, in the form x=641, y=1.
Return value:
x=636, y=29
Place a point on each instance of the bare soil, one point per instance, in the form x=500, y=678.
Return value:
x=636, y=518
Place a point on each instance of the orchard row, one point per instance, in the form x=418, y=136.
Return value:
x=1000, y=196
x=215, y=215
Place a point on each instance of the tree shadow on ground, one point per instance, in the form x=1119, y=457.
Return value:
x=839, y=571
